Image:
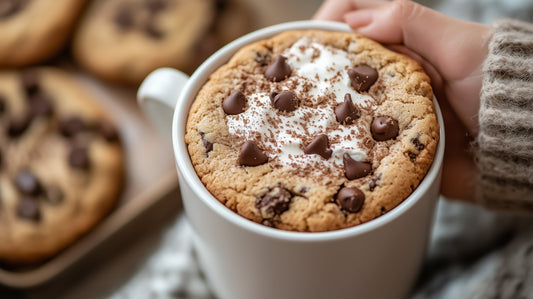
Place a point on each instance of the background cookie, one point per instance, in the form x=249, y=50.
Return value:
x=33, y=30
x=313, y=130
x=61, y=164
x=124, y=40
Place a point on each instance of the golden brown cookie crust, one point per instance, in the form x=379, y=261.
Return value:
x=86, y=195
x=128, y=54
x=36, y=30
x=402, y=91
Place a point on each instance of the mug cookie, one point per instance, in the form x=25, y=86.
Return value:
x=34, y=30
x=124, y=40
x=61, y=164
x=313, y=130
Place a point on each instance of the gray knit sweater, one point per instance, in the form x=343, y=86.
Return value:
x=505, y=142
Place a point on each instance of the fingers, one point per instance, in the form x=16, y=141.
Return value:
x=334, y=10
x=445, y=42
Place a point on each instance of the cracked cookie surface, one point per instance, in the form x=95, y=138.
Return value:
x=313, y=130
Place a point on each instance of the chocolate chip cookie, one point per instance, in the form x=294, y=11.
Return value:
x=124, y=40
x=33, y=30
x=313, y=130
x=61, y=164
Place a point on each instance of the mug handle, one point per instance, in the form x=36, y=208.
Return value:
x=157, y=97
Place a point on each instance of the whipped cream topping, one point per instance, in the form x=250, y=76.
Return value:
x=320, y=80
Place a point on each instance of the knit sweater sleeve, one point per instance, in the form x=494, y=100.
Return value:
x=505, y=143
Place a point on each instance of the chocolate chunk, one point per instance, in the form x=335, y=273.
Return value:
x=372, y=184
x=156, y=5
x=350, y=199
x=235, y=103
x=72, y=126
x=355, y=169
x=30, y=82
x=3, y=104
x=262, y=58
x=207, y=144
x=124, y=17
x=274, y=202
x=79, y=157
x=284, y=101
x=10, y=7
x=18, y=124
x=251, y=155
x=319, y=146
x=384, y=128
x=28, y=208
x=152, y=31
x=54, y=195
x=41, y=105
x=362, y=77
x=278, y=70
x=346, y=112
x=412, y=156
x=28, y=183
x=418, y=145
x=107, y=131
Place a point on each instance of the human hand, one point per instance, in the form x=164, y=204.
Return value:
x=452, y=53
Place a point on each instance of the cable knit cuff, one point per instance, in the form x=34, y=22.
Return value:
x=505, y=143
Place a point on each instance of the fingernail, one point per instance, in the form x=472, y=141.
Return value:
x=359, y=18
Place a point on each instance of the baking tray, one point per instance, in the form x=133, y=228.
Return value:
x=150, y=179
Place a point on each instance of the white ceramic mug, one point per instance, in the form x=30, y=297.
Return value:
x=245, y=260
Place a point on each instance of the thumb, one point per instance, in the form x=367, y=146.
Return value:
x=447, y=43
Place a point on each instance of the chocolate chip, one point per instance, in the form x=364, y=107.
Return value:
x=78, y=157
x=251, y=155
x=156, y=5
x=10, y=7
x=54, y=195
x=152, y=31
x=346, y=112
x=28, y=208
x=124, y=16
x=72, y=126
x=28, y=183
x=262, y=58
x=274, y=202
x=374, y=182
x=362, y=77
x=284, y=101
x=107, y=131
x=355, y=169
x=30, y=82
x=319, y=146
x=412, y=155
x=3, y=105
x=350, y=199
x=278, y=70
x=41, y=105
x=384, y=128
x=235, y=103
x=207, y=144
x=418, y=145
x=18, y=124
